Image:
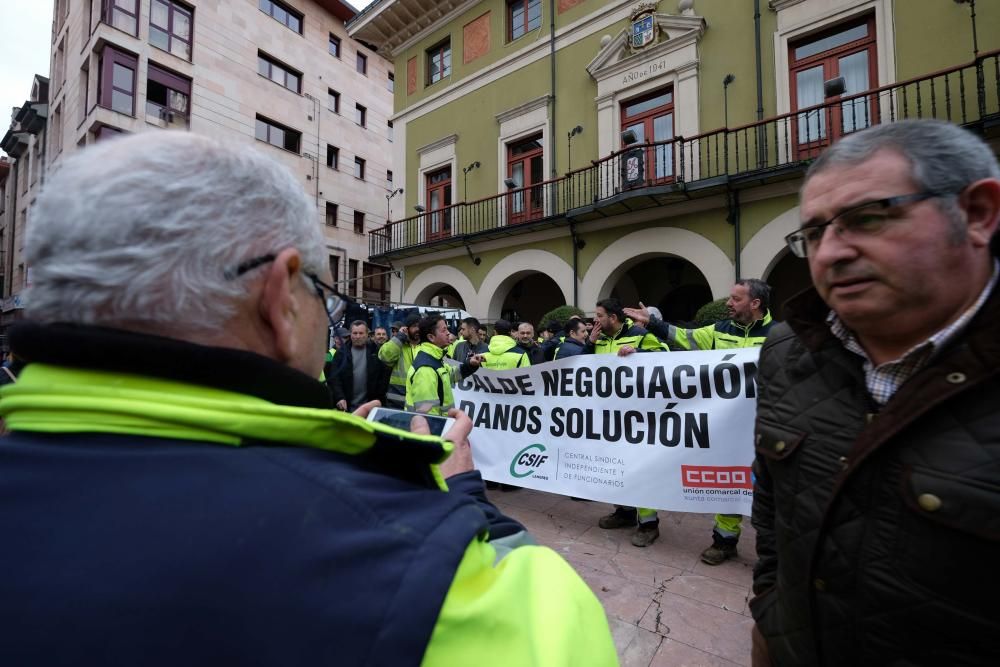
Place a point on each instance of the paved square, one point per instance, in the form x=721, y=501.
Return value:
x=666, y=608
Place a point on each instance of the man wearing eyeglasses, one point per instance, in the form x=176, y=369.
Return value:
x=877, y=498
x=177, y=489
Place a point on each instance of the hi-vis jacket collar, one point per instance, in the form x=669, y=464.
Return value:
x=54, y=399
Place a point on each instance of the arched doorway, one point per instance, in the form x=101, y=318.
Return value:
x=530, y=296
x=446, y=296
x=441, y=285
x=525, y=285
x=672, y=284
x=789, y=275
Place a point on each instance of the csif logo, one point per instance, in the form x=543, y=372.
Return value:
x=527, y=461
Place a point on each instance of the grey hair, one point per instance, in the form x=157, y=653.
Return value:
x=758, y=289
x=943, y=157
x=139, y=232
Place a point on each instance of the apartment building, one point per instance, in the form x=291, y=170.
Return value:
x=281, y=74
x=564, y=151
x=21, y=177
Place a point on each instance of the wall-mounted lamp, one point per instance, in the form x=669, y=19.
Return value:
x=419, y=209
x=834, y=87
x=510, y=183
x=465, y=178
x=569, y=145
x=475, y=260
x=388, y=214
x=629, y=138
x=975, y=37
x=729, y=78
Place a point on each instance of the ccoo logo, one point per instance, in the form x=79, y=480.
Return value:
x=527, y=461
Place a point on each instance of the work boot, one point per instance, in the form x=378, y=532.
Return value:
x=622, y=517
x=722, y=549
x=646, y=534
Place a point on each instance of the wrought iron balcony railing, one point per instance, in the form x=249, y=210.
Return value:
x=682, y=167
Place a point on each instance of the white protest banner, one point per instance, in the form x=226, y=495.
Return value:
x=671, y=431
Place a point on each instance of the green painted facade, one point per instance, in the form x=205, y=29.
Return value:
x=727, y=47
x=711, y=224
x=929, y=35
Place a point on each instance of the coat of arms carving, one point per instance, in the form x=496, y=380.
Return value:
x=643, y=27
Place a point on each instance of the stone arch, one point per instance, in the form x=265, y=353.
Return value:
x=513, y=268
x=426, y=283
x=608, y=267
x=767, y=247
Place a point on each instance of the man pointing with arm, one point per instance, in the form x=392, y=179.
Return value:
x=748, y=326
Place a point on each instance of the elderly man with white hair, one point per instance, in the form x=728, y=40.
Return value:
x=177, y=489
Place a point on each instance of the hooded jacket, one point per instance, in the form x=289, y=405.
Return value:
x=504, y=354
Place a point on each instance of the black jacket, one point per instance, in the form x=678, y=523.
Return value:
x=342, y=383
x=878, y=531
x=536, y=355
x=569, y=348
x=465, y=348
x=549, y=347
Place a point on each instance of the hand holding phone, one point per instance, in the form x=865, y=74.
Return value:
x=456, y=428
x=402, y=420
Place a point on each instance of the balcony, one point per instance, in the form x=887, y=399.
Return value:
x=685, y=168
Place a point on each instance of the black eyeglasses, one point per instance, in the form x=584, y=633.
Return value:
x=859, y=221
x=333, y=302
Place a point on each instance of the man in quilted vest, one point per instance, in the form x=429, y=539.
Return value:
x=877, y=497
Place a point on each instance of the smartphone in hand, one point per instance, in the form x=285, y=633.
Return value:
x=401, y=419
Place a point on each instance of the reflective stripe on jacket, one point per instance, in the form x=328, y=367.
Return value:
x=719, y=336
x=629, y=334
x=399, y=356
x=429, y=381
x=323, y=485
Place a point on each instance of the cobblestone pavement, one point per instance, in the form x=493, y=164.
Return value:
x=666, y=608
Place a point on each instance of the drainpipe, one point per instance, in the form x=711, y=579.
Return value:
x=734, y=219
x=9, y=259
x=552, y=74
x=578, y=243
x=316, y=113
x=761, y=150
x=760, y=76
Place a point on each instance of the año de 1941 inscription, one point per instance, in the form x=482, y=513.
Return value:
x=643, y=72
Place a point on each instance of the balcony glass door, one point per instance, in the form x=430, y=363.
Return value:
x=651, y=118
x=438, y=200
x=846, y=51
x=525, y=167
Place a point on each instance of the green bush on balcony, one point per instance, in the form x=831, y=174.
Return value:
x=712, y=312
x=560, y=315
